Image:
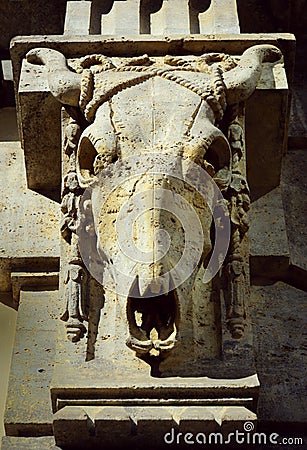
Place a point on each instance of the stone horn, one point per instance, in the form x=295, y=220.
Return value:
x=64, y=84
x=241, y=81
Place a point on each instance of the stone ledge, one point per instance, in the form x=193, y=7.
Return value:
x=115, y=427
x=28, y=406
x=128, y=391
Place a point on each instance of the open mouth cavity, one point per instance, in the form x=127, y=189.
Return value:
x=153, y=323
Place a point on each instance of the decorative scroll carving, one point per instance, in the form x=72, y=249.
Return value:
x=211, y=83
x=72, y=316
x=235, y=263
x=71, y=190
x=70, y=208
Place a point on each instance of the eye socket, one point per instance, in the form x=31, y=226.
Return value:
x=85, y=161
x=218, y=154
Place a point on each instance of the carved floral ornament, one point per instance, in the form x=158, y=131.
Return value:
x=174, y=107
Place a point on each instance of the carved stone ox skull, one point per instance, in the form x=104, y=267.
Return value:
x=137, y=106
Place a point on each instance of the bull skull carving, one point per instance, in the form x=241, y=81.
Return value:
x=240, y=82
x=122, y=122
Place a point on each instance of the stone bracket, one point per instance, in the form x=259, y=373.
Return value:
x=117, y=426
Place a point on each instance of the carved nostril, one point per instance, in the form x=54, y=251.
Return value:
x=86, y=157
x=93, y=156
x=218, y=154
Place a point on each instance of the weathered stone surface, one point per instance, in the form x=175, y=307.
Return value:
x=172, y=18
x=238, y=83
x=240, y=80
x=36, y=234
x=29, y=221
x=124, y=18
x=31, y=280
x=220, y=18
x=268, y=235
x=196, y=419
x=277, y=231
x=298, y=123
x=72, y=427
x=165, y=18
x=78, y=18
x=28, y=443
x=114, y=115
x=28, y=408
x=114, y=424
x=7, y=332
x=278, y=313
x=269, y=246
x=133, y=383
x=151, y=424
x=294, y=189
x=48, y=142
x=132, y=45
x=264, y=159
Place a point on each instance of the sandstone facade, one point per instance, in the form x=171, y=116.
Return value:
x=125, y=116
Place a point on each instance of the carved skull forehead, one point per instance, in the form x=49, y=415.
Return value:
x=126, y=127
x=169, y=104
x=176, y=121
x=156, y=116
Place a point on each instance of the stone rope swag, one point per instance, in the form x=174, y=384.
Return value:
x=96, y=136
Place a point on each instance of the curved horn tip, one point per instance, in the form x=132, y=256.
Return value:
x=241, y=81
x=42, y=55
x=33, y=56
x=63, y=84
x=274, y=54
x=270, y=53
